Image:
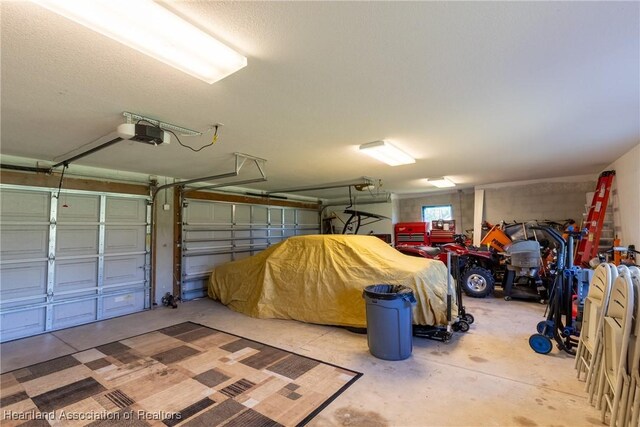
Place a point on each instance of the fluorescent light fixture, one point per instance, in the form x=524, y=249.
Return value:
x=151, y=29
x=387, y=153
x=441, y=182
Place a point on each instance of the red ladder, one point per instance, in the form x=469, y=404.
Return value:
x=588, y=245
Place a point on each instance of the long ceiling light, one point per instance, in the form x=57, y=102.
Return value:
x=151, y=29
x=441, y=182
x=387, y=153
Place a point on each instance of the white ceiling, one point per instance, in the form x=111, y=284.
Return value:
x=479, y=92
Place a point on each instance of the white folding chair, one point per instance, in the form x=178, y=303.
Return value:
x=616, y=330
x=589, y=350
x=632, y=414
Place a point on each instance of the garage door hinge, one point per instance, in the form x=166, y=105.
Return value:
x=52, y=221
x=52, y=257
x=50, y=294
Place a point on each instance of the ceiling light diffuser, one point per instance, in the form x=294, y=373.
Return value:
x=387, y=153
x=151, y=29
x=441, y=182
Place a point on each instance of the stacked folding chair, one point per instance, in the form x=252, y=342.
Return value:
x=631, y=390
x=617, y=331
x=589, y=352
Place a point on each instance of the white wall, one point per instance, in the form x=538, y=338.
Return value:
x=626, y=197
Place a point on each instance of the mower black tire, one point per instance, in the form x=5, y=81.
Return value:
x=477, y=282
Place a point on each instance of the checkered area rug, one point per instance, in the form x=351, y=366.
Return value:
x=183, y=375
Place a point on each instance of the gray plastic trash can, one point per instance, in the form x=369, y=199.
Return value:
x=389, y=321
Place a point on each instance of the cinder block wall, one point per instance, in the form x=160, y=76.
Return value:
x=461, y=201
x=554, y=201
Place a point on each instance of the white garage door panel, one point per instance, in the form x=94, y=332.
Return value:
x=308, y=218
x=217, y=232
x=263, y=232
x=203, y=264
x=243, y=255
x=289, y=217
x=126, y=210
x=260, y=215
x=22, y=323
x=76, y=240
x=75, y=313
x=206, y=212
x=76, y=277
x=23, y=282
x=223, y=213
x=276, y=233
x=124, y=239
x=121, y=304
x=194, y=288
x=20, y=242
x=82, y=259
x=276, y=216
x=124, y=270
x=200, y=234
x=23, y=206
x=242, y=214
x=243, y=234
x=204, y=245
x=78, y=208
x=199, y=212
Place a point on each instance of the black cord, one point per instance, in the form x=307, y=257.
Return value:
x=186, y=146
x=215, y=135
x=64, y=168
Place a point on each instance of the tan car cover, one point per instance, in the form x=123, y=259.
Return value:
x=320, y=279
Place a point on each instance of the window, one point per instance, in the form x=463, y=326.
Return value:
x=431, y=213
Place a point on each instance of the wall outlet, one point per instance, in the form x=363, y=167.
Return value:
x=166, y=207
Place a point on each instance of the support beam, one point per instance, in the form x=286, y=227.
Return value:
x=478, y=211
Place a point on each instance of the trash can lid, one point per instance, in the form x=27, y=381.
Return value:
x=388, y=292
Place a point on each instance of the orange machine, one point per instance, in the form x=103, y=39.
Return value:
x=496, y=238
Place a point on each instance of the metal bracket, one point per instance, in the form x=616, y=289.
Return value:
x=241, y=159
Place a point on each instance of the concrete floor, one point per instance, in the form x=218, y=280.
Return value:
x=486, y=377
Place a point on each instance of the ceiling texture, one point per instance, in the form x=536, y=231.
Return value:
x=478, y=92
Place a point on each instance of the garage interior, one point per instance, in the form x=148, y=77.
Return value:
x=126, y=180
